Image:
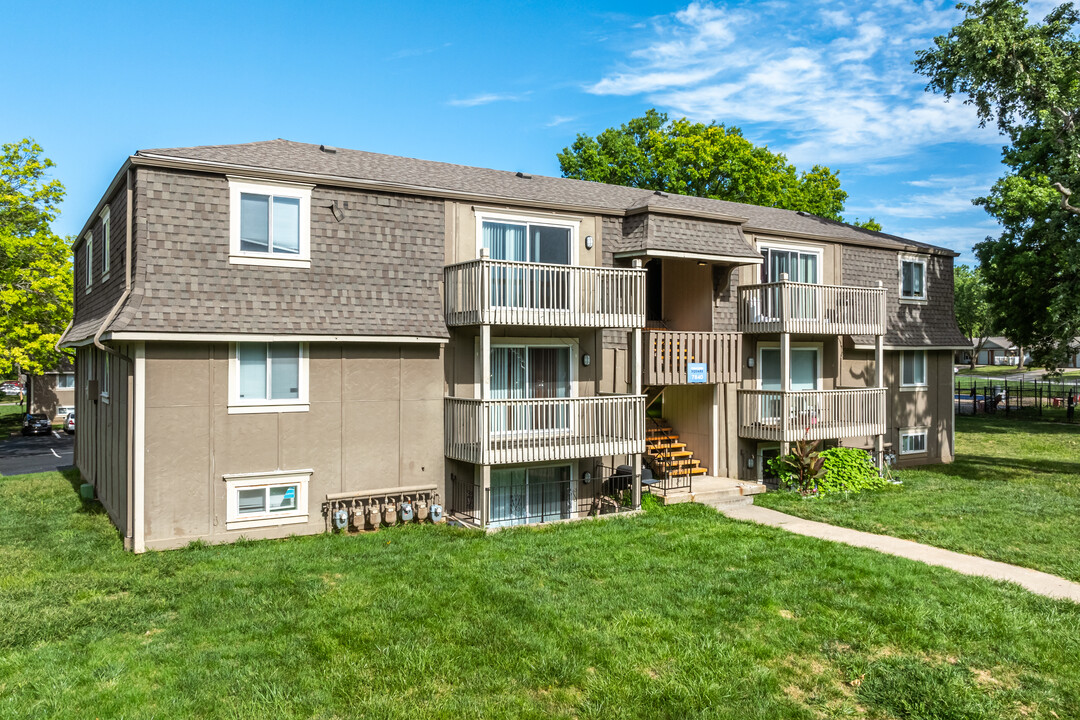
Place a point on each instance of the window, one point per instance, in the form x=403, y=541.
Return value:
x=89, y=260
x=264, y=499
x=105, y=377
x=269, y=223
x=268, y=377
x=913, y=441
x=912, y=277
x=800, y=265
x=522, y=496
x=913, y=368
x=106, y=235
x=65, y=381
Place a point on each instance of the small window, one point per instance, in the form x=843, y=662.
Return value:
x=65, y=381
x=257, y=500
x=912, y=442
x=268, y=377
x=89, y=253
x=270, y=223
x=106, y=235
x=913, y=368
x=912, y=278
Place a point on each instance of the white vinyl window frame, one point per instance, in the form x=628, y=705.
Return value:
x=266, y=481
x=244, y=406
x=817, y=250
x=89, y=251
x=299, y=191
x=574, y=485
x=919, y=434
x=571, y=343
x=906, y=258
x=106, y=235
x=925, y=370
x=105, y=364
x=65, y=381
x=557, y=221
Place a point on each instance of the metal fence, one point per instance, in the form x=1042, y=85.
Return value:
x=1022, y=399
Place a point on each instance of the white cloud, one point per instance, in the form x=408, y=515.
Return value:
x=835, y=84
x=484, y=99
x=560, y=120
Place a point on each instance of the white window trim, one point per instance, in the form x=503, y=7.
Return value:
x=814, y=249
x=575, y=488
x=299, y=191
x=106, y=232
x=926, y=372
x=819, y=346
x=105, y=378
x=549, y=221
x=240, y=481
x=59, y=379
x=915, y=432
x=238, y=406
x=89, y=245
x=920, y=259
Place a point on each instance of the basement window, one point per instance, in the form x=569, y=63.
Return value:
x=913, y=441
x=269, y=223
x=267, y=499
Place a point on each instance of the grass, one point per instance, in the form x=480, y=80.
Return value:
x=1013, y=495
x=11, y=414
x=676, y=613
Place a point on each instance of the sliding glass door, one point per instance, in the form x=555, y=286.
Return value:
x=520, y=496
x=523, y=287
x=522, y=372
x=801, y=267
x=804, y=376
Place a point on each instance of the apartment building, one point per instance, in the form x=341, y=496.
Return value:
x=278, y=338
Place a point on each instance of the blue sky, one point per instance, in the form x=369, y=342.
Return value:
x=506, y=86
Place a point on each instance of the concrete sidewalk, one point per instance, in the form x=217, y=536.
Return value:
x=1033, y=580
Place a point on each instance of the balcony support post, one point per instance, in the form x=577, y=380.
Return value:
x=879, y=377
x=635, y=374
x=485, y=495
x=485, y=362
x=785, y=373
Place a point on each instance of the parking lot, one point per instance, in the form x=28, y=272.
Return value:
x=38, y=453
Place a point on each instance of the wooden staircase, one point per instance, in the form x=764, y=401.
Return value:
x=665, y=451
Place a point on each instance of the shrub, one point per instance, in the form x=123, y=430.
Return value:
x=847, y=470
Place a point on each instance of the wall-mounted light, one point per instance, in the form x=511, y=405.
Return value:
x=702, y=263
x=750, y=462
x=586, y=477
x=588, y=242
x=586, y=360
x=749, y=362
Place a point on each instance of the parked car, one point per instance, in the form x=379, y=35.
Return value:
x=36, y=423
x=11, y=390
x=69, y=423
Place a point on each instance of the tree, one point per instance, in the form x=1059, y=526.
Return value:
x=1024, y=77
x=974, y=314
x=715, y=161
x=35, y=264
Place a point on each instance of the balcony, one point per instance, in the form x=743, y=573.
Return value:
x=790, y=307
x=667, y=354
x=500, y=292
x=813, y=414
x=498, y=432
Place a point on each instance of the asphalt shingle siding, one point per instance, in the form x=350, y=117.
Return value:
x=91, y=308
x=924, y=324
x=377, y=272
x=690, y=235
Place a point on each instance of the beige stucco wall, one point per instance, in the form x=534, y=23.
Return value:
x=47, y=397
x=375, y=422
x=461, y=236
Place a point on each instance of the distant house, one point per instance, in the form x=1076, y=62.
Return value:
x=53, y=393
x=997, y=350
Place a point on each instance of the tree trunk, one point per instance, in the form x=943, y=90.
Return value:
x=1020, y=360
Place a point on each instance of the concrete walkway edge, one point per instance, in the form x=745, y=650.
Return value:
x=1033, y=580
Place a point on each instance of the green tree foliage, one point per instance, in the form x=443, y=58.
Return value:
x=974, y=314
x=1024, y=77
x=35, y=264
x=679, y=156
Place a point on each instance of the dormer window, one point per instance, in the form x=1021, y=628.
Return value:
x=89, y=252
x=106, y=232
x=269, y=223
x=912, y=278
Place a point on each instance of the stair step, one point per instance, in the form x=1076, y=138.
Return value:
x=679, y=454
x=659, y=431
x=665, y=446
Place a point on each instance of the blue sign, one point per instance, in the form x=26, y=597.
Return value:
x=290, y=493
x=697, y=372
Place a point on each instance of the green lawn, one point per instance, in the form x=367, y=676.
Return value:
x=991, y=370
x=11, y=414
x=1013, y=494
x=677, y=613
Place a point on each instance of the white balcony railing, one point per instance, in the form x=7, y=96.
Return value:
x=812, y=309
x=814, y=414
x=499, y=292
x=498, y=432
x=667, y=353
